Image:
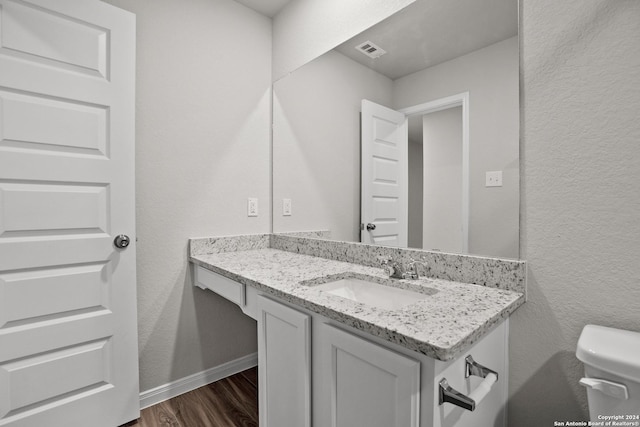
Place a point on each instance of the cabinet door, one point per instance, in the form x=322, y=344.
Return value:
x=369, y=386
x=284, y=365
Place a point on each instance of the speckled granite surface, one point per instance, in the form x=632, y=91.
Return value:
x=214, y=245
x=320, y=234
x=246, y=242
x=492, y=272
x=443, y=325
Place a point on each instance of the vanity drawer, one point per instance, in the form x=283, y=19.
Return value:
x=226, y=288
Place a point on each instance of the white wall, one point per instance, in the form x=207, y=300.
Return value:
x=316, y=146
x=202, y=148
x=442, y=194
x=415, y=191
x=306, y=29
x=580, y=198
x=490, y=75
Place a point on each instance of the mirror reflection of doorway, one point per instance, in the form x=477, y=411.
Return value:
x=435, y=180
x=431, y=207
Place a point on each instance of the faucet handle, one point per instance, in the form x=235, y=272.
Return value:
x=387, y=265
x=412, y=269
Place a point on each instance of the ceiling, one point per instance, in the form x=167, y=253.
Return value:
x=269, y=8
x=429, y=32
x=425, y=33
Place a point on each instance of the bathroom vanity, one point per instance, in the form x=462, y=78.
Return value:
x=336, y=349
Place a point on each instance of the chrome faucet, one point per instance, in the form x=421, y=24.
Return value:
x=398, y=270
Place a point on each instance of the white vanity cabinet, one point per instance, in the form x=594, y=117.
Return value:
x=355, y=382
x=317, y=372
x=284, y=365
x=362, y=381
x=361, y=384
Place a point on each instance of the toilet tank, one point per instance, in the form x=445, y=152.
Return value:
x=611, y=360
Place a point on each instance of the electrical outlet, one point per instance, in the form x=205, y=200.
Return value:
x=493, y=179
x=252, y=207
x=286, y=207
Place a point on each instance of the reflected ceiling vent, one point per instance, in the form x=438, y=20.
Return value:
x=371, y=49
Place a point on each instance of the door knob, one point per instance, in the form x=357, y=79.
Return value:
x=371, y=227
x=121, y=241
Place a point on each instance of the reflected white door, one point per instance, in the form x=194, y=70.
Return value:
x=68, y=334
x=384, y=186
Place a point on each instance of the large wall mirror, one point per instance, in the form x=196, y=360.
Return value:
x=435, y=151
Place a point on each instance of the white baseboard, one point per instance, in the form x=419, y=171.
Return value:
x=192, y=382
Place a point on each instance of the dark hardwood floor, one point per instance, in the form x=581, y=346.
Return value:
x=230, y=402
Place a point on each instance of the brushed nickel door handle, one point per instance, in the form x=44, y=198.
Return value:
x=121, y=241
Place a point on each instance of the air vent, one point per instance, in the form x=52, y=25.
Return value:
x=371, y=49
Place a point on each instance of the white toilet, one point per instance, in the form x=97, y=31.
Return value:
x=611, y=360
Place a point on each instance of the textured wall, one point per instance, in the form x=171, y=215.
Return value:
x=202, y=148
x=580, y=197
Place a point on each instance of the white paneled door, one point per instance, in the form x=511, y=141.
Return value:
x=385, y=176
x=68, y=335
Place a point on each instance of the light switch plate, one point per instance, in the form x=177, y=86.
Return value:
x=286, y=207
x=252, y=206
x=493, y=179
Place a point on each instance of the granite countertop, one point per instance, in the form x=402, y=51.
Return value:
x=451, y=318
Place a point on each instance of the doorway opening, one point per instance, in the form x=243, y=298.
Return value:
x=438, y=148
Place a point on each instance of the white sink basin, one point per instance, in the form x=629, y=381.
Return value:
x=370, y=293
